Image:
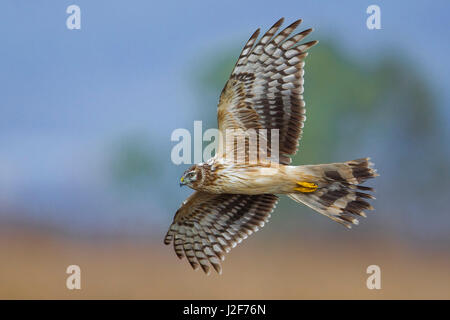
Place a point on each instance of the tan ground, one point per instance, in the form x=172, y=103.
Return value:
x=33, y=266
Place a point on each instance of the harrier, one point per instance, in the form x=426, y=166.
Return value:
x=234, y=199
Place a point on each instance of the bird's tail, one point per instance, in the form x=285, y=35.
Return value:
x=334, y=189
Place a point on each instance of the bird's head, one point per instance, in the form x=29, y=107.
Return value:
x=190, y=176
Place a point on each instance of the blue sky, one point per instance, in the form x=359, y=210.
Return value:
x=66, y=95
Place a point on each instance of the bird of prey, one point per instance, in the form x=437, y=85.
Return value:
x=234, y=199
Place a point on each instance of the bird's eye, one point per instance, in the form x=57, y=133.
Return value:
x=191, y=175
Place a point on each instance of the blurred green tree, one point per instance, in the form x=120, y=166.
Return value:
x=132, y=163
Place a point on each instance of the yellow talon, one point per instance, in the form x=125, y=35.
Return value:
x=306, y=186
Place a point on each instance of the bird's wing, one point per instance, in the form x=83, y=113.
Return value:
x=208, y=225
x=265, y=88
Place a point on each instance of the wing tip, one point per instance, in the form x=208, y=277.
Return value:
x=279, y=22
x=294, y=24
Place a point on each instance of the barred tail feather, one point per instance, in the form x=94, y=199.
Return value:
x=339, y=194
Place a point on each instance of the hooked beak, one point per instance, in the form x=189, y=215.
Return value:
x=182, y=182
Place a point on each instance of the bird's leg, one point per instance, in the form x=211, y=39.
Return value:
x=304, y=186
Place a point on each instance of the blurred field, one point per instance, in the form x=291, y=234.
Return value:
x=33, y=265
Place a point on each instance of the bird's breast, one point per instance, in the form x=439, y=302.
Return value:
x=244, y=179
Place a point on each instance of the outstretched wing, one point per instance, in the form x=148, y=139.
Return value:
x=265, y=88
x=208, y=225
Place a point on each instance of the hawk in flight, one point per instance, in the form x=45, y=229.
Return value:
x=234, y=199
